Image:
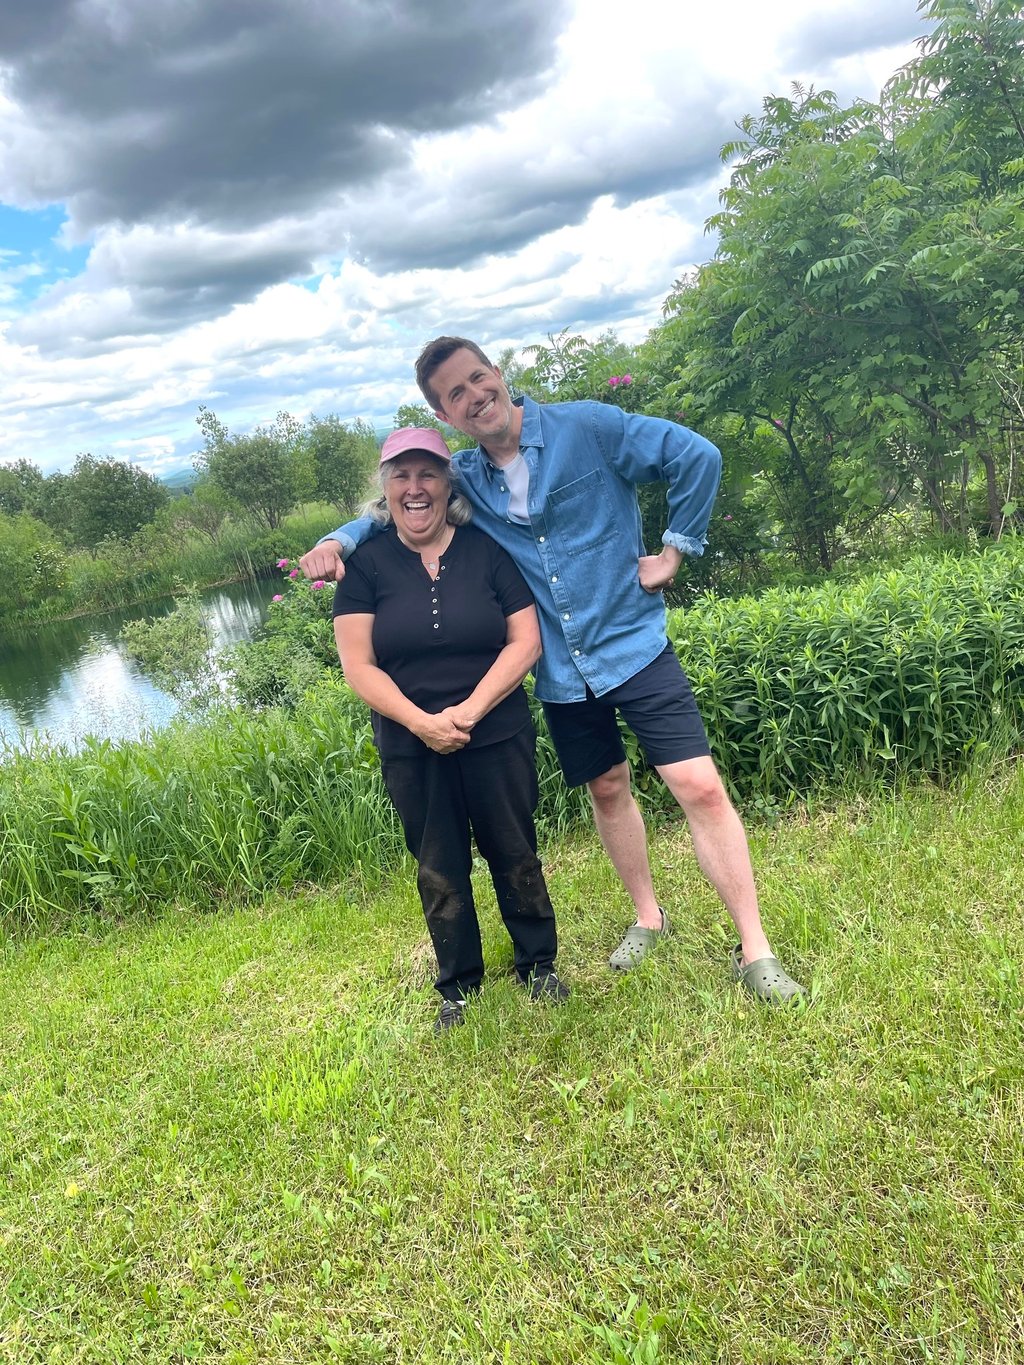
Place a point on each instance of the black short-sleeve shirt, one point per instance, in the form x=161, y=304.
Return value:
x=436, y=639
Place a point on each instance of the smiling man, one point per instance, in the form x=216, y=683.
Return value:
x=555, y=484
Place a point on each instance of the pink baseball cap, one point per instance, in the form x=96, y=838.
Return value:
x=428, y=440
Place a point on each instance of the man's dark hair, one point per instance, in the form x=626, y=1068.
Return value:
x=433, y=356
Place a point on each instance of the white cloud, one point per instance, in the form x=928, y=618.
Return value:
x=573, y=198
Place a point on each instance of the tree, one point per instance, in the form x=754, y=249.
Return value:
x=177, y=651
x=570, y=367
x=343, y=456
x=419, y=415
x=202, y=509
x=266, y=472
x=864, y=301
x=33, y=568
x=415, y=415
x=100, y=499
x=21, y=486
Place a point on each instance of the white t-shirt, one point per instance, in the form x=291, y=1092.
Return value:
x=517, y=477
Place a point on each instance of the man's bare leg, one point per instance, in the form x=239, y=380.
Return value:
x=621, y=829
x=720, y=844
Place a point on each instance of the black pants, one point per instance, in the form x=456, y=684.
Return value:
x=492, y=791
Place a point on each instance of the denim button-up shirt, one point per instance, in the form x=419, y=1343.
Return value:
x=579, y=552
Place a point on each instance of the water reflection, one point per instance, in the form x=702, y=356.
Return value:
x=69, y=680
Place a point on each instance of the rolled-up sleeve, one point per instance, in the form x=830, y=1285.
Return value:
x=652, y=450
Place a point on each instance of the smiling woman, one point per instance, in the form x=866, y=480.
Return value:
x=436, y=630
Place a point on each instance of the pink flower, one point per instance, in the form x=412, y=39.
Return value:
x=614, y=380
x=777, y=423
x=318, y=584
x=294, y=573
x=282, y=563
x=626, y=379
x=277, y=597
x=727, y=517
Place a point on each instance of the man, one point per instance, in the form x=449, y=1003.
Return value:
x=556, y=486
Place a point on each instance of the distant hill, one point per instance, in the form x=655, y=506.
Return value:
x=179, y=481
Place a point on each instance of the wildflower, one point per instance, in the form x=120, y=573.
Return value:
x=282, y=563
x=277, y=597
x=614, y=380
x=294, y=573
x=728, y=516
x=318, y=584
x=626, y=379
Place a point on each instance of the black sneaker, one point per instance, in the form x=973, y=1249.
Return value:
x=546, y=986
x=451, y=1014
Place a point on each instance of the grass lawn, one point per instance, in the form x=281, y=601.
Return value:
x=235, y=1138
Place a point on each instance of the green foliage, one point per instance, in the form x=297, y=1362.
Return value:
x=32, y=566
x=295, y=648
x=100, y=500
x=232, y=805
x=919, y=670
x=176, y=651
x=571, y=367
x=153, y=562
x=915, y=670
x=267, y=472
x=867, y=297
x=204, y=510
x=415, y=415
x=344, y=455
x=20, y=487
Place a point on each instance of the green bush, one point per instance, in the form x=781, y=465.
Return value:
x=914, y=670
x=295, y=648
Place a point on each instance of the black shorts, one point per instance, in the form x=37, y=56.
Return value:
x=658, y=706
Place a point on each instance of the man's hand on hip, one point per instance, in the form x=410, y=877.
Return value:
x=659, y=571
x=324, y=561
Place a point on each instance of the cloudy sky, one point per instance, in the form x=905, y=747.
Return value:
x=267, y=204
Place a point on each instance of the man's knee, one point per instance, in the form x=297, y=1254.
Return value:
x=696, y=785
x=612, y=788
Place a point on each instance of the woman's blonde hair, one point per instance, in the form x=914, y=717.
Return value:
x=376, y=506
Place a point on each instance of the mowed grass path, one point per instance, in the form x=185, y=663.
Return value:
x=234, y=1138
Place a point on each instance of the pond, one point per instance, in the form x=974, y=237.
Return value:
x=64, y=681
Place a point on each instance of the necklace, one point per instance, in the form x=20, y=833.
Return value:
x=434, y=566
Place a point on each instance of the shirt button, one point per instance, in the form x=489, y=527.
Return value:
x=554, y=578
x=542, y=540
x=565, y=616
x=437, y=627
x=576, y=652
x=433, y=613
x=504, y=489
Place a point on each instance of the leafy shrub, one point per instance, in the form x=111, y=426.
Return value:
x=176, y=650
x=911, y=670
x=295, y=648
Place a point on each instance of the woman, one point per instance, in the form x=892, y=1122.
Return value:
x=436, y=630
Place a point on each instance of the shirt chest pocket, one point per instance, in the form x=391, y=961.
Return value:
x=581, y=514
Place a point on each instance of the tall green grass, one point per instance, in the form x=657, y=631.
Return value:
x=223, y=809
x=914, y=672
x=150, y=566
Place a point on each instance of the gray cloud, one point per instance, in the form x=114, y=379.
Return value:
x=515, y=201
x=234, y=113
x=854, y=26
